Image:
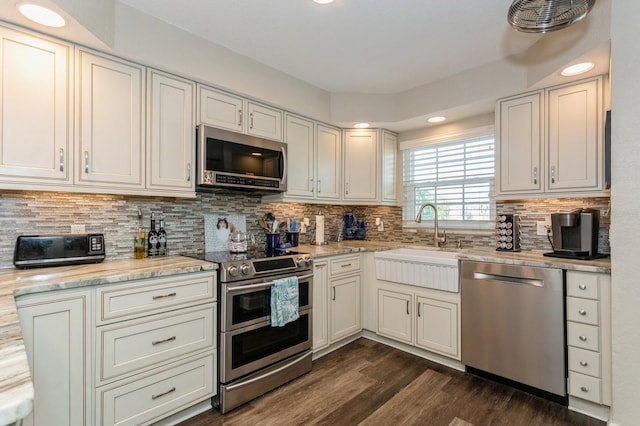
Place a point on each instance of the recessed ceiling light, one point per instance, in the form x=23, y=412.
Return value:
x=41, y=15
x=323, y=1
x=438, y=119
x=577, y=69
x=361, y=125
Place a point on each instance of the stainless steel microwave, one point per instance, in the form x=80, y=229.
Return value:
x=235, y=160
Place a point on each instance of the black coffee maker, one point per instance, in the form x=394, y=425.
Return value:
x=575, y=234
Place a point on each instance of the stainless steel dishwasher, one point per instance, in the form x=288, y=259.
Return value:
x=513, y=323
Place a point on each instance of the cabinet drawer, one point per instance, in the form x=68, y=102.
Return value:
x=145, y=297
x=583, y=336
x=145, y=399
x=583, y=310
x=128, y=346
x=585, y=387
x=584, y=361
x=344, y=265
x=583, y=284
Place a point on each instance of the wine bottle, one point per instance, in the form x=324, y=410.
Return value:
x=152, y=238
x=162, y=238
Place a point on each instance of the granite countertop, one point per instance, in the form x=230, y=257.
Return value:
x=16, y=387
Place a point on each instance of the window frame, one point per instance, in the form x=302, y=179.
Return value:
x=480, y=227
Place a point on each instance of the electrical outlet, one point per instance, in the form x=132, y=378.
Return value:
x=78, y=229
x=541, y=228
x=547, y=221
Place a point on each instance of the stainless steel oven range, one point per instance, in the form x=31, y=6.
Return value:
x=255, y=357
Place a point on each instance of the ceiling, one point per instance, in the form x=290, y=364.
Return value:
x=353, y=46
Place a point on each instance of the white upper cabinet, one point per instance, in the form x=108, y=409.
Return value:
x=389, y=161
x=519, y=156
x=575, y=137
x=35, y=113
x=551, y=141
x=224, y=110
x=109, y=122
x=360, y=169
x=299, y=135
x=220, y=109
x=328, y=156
x=170, y=134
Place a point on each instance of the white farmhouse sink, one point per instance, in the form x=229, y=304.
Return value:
x=422, y=267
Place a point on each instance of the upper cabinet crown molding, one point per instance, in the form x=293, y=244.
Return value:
x=551, y=142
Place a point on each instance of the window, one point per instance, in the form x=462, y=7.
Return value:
x=457, y=176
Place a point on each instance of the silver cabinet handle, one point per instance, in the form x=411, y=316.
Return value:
x=240, y=117
x=583, y=338
x=584, y=389
x=168, y=339
x=86, y=161
x=584, y=363
x=408, y=313
x=419, y=315
x=346, y=265
x=334, y=294
x=61, y=160
x=319, y=185
x=188, y=172
x=346, y=188
x=553, y=174
x=163, y=296
x=582, y=312
x=582, y=287
x=311, y=185
x=251, y=120
x=535, y=175
x=173, y=389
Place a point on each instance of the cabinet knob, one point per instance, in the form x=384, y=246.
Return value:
x=584, y=363
x=582, y=287
x=584, y=389
x=583, y=338
x=582, y=312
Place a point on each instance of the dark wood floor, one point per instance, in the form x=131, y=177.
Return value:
x=367, y=383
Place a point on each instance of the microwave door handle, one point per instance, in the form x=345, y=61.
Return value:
x=284, y=158
x=260, y=285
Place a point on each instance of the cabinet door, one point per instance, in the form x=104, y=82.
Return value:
x=328, y=155
x=264, y=121
x=389, y=167
x=395, y=316
x=575, y=137
x=345, y=307
x=320, y=306
x=519, y=144
x=220, y=109
x=56, y=338
x=110, y=132
x=437, y=328
x=35, y=118
x=360, y=165
x=171, y=133
x=300, y=157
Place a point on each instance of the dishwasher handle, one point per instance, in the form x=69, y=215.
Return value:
x=509, y=279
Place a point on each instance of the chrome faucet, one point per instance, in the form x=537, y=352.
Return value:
x=437, y=239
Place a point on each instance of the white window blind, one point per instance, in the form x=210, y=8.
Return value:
x=457, y=176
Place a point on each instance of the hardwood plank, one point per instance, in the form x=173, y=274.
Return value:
x=369, y=383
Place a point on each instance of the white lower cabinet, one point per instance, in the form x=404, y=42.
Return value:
x=336, y=300
x=56, y=329
x=153, y=353
x=427, y=320
x=589, y=336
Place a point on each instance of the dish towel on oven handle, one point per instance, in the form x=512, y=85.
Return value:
x=284, y=301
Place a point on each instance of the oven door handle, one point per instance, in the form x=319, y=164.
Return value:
x=260, y=285
x=269, y=374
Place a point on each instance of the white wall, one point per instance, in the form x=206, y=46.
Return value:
x=625, y=211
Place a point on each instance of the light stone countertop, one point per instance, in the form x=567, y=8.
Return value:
x=16, y=387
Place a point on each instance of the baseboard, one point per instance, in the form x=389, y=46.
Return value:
x=601, y=412
x=186, y=414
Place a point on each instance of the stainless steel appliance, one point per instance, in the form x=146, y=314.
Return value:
x=575, y=234
x=255, y=357
x=513, y=324
x=235, y=160
x=33, y=251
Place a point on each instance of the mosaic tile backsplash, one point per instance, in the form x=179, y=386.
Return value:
x=29, y=213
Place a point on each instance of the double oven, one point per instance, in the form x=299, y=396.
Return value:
x=254, y=356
